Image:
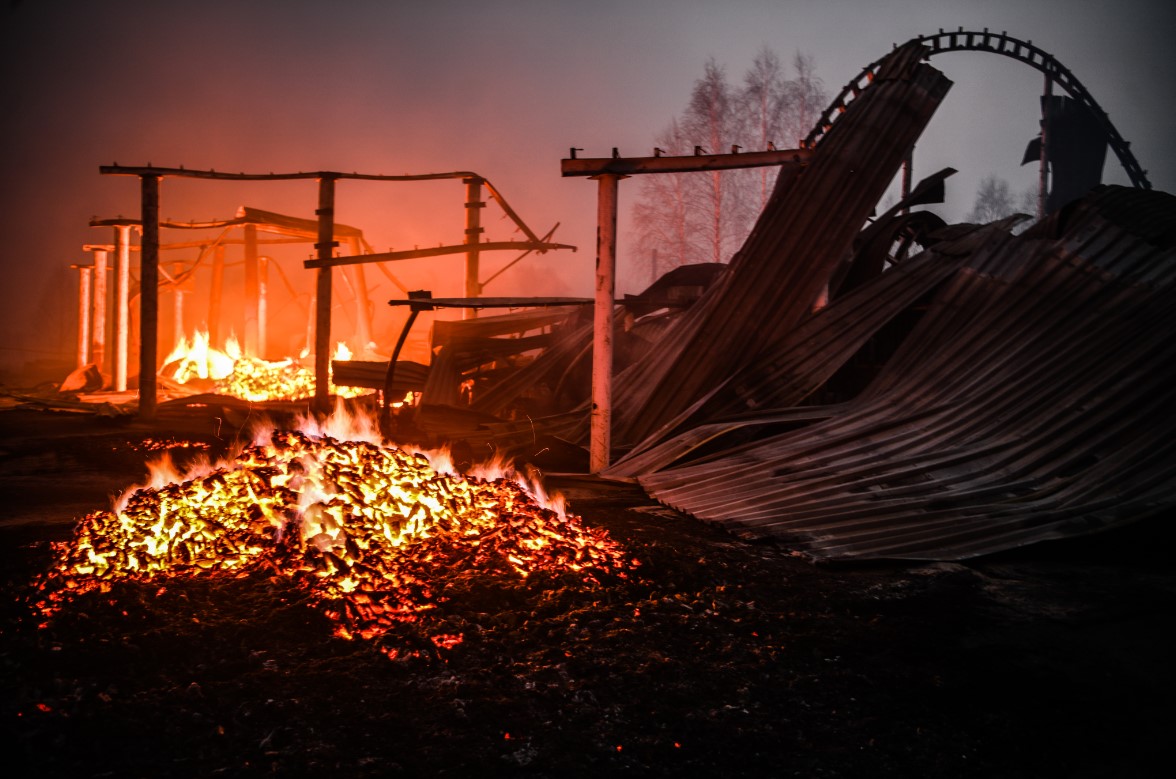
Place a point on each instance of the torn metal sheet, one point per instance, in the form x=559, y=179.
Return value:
x=1032, y=401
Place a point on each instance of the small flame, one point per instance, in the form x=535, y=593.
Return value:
x=246, y=377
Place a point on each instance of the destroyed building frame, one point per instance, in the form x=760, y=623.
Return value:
x=978, y=426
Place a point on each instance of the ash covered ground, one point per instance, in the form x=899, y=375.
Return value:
x=716, y=657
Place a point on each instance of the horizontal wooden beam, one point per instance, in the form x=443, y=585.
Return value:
x=425, y=304
x=151, y=170
x=628, y=166
x=435, y=251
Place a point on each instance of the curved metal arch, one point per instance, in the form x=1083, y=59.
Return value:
x=1005, y=45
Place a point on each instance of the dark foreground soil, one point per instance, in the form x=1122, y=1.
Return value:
x=716, y=658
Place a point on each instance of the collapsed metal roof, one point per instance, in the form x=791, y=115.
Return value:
x=1032, y=401
x=969, y=391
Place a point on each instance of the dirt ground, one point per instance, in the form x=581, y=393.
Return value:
x=718, y=657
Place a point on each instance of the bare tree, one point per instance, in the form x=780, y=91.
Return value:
x=662, y=215
x=765, y=104
x=704, y=217
x=995, y=200
x=710, y=121
x=806, y=100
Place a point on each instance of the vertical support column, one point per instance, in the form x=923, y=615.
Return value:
x=262, y=291
x=322, y=320
x=122, y=310
x=85, y=277
x=474, y=206
x=1043, y=162
x=251, y=291
x=149, y=296
x=214, y=295
x=602, y=321
x=98, y=333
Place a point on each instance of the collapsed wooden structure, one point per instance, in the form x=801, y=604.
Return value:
x=856, y=385
x=965, y=389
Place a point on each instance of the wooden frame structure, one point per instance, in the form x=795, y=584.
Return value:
x=608, y=171
x=150, y=178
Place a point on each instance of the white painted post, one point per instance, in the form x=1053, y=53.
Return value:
x=98, y=331
x=122, y=308
x=602, y=323
x=85, y=277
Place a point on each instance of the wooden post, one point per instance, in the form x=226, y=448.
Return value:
x=214, y=295
x=149, y=296
x=98, y=330
x=473, y=234
x=1043, y=162
x=85, y=277
x=251, y=315
x=122, y=309
x=322, y=321
x=602, y=323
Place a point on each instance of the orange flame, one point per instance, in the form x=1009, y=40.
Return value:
x=246, y=377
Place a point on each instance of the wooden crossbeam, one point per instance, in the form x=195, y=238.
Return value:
x=435, y=251
x=628, y=166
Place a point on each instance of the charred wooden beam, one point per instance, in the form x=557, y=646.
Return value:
x=149, y=295
x=435, y=251
x=322, y=323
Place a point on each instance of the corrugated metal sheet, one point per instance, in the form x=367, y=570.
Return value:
x=805, y=232
x=1032, y=401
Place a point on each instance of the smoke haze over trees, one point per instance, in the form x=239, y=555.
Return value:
x=994, y=200
x=686, y=218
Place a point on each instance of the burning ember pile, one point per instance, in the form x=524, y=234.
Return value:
x=364, y=528
x=241, y=376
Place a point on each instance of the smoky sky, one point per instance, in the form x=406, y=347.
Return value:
x=500, y=88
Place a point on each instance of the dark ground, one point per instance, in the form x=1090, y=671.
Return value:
x=717, y=658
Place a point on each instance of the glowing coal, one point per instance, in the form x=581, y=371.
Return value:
x=362, y=526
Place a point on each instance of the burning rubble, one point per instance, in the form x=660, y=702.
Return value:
x=234, y=373
x=366, y=529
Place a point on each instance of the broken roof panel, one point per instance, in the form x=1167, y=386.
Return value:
x=1032, y=401
x=804, y=233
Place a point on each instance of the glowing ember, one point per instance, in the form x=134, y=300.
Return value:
x=363, y=527
x=245, y=377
